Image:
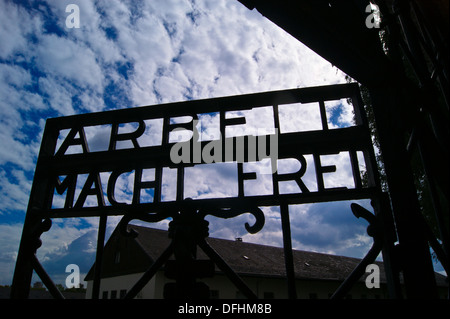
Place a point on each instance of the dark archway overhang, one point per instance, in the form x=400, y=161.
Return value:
x=335, y=30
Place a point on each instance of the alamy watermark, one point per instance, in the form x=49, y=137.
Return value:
x=373, y=278
x=231, y=149
x=73, y=19
x=73, y=279
x=373, y=20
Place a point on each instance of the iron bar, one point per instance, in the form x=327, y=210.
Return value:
x=430, y=176
x=416, y=255
x=437, y=247
x=24, y=268
x=388, y=236
x=148, y=275
x=29, y=244
x=345, y=287
x=99, y=257
x=46, y=280
x=374, y=230
x=38, y=201
x=308, y=142
x=323, y=115
x=287, y=246
x=229, y=272
x=262, y=200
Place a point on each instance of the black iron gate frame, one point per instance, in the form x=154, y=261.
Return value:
x=52, y=164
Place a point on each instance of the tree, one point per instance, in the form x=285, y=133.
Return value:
x=38, y=286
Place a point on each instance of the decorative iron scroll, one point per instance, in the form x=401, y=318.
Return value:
x=187, y=231
x=374, y=230
x=202, y=213
x=75, y=177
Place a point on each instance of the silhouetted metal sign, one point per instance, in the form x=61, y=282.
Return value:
x=222, y=157
x=140, y=159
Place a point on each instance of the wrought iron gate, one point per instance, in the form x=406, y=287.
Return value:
x=418, y=102
x=59, y=165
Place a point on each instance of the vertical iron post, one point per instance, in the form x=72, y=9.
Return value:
x=287, y=245
x=39, y=200
x=99, y=257
x=413, y=250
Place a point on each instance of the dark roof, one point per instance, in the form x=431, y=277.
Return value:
x=248, y=258
x=244, y=258
x=259, y=260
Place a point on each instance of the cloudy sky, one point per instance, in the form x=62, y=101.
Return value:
x=131, y=53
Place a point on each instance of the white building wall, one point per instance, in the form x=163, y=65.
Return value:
x=120, y=283
x=225, y=289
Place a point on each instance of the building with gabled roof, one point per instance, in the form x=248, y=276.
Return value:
x=261, y=267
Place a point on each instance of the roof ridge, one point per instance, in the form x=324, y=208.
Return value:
x=246, y=243
x=251, y=259
x=140, y=241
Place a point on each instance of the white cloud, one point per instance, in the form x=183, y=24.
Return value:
x=343, y=109
x=226, y=54
x=14, y=193
x=13, y=32
x=59, y=95
x=16, y=103
x=211, y=181
x=343, y=176
x=10, y=238
x=306, y=115
x=62, y=58
x=333, y=229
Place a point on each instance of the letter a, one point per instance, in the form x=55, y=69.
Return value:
x=373, y=19
x=72, y=140
x=73, y=280
x=73, y=19
x=93, y=179
x=373, y=279
x=185, y=156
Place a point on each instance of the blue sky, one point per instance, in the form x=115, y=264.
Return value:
x=132, y=53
